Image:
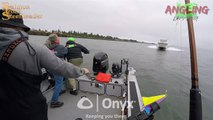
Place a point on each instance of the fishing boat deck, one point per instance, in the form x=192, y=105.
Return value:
x=105, y=100
x=70, y=110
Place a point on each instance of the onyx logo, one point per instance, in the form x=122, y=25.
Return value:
x=85, y=103
x=81, y=102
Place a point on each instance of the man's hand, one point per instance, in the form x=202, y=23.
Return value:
x=86, y=71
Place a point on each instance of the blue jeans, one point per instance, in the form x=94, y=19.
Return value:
x=57, y=89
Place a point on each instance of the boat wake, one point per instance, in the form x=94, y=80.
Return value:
x=168, y=48
x=174, y=49
x=153, y=47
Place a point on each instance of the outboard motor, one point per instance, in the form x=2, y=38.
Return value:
x=100, y=63
x=116, y=70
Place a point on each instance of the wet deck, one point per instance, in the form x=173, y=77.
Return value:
x=70, y=110
x=105, y=101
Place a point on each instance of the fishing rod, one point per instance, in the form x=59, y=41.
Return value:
x=195, y=93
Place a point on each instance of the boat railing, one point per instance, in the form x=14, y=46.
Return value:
x=111, y=89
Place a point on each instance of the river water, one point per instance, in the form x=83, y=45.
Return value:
x=158, y=72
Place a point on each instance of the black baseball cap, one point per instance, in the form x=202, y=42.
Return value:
x=12, y=18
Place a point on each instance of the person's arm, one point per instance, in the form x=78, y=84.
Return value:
x=54, y=64
x=67, y=43
x=61, y=51
x=83, y=49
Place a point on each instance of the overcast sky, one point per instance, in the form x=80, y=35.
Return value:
x=143, y=20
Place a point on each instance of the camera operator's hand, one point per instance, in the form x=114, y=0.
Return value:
x=86, y=71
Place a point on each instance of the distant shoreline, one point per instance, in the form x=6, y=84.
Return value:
x=120, y=40
x=79, y=35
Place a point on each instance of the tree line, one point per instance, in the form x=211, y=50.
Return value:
x=77, y=35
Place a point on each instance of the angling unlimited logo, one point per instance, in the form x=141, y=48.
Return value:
x=185, y=11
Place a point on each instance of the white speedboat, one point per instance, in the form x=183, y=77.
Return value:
x=114, y=96
x=162, y=44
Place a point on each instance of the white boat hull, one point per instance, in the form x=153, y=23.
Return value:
x=162, y=45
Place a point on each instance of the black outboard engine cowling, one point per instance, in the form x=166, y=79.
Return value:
x=100, y=63
x=116, y=70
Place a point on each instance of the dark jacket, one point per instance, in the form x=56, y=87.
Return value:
x=59, y=50
x=75, y=49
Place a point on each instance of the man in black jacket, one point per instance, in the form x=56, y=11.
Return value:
x=75, y=57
